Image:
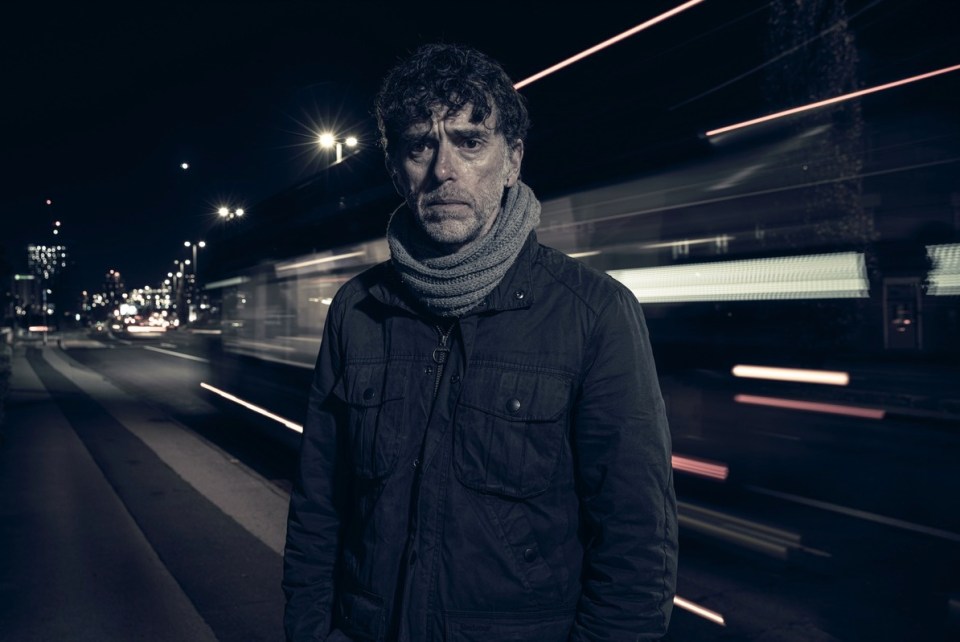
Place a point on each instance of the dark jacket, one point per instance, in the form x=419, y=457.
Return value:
x=513, y=484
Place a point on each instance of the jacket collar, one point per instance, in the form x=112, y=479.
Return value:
x=515, y=290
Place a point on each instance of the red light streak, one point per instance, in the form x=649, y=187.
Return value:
x=831, y=101
x=700, y=467
x=812, y=406
x=606, y=43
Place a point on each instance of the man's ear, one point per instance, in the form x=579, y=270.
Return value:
x=514, y=159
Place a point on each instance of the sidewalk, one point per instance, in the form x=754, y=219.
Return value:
x=117, y=523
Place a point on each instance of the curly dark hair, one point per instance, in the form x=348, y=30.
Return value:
x=452, y=76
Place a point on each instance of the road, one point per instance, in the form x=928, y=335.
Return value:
x=825, y=528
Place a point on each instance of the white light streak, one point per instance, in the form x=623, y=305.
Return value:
x=828, y=377
x=944, y=278
x=831, y=101
x=700, y=467
x=606, y=43
x=696, y=609
x=860, y=514
x=246, y=404
x=812, y=406
x=237, y=280
x=581, y=255
x=177, y=354
x=145, y=329
x=327, y=259
x=718, y=240
x=819, y=276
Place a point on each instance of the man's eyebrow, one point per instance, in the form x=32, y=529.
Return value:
x=476, y=131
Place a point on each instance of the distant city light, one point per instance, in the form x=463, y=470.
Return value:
x=184, y=165
x=240, y=211
x=223, y=211
x=351, y=141
x=57, y=223
x=49, y=202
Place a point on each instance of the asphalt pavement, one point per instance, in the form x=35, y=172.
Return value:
x=117, y=523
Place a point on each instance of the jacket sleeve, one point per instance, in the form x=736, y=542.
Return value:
x=317, y=502
x=625, y=484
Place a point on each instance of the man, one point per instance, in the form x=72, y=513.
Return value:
x=486, y=455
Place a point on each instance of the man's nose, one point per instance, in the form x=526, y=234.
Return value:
x=444, y=163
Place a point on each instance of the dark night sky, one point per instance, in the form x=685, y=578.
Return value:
x=101, y=105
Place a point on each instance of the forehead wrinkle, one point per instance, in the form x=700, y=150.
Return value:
x=422, y=128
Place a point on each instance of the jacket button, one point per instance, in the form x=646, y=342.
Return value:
x=455, y=379
x=519, y=294
x=513, y=406
x=529, y=555
x=368, y=394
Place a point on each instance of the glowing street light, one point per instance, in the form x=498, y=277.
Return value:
x=201, y=245
x=184, y=166
x=328, y=140
x=227, y=213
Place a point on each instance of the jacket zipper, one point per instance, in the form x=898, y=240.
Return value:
x=440, y=354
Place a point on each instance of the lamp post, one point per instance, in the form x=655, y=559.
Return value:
x=178, y=283
x=201, y=245
x=328, y=140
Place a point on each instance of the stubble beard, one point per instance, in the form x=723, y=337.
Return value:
x=450, y=227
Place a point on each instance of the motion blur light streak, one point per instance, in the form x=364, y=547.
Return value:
x=696, y=609
x=861, y=514
x=821, y=276
x=812, y=406
x=700, y=467
x=246, y=404
x=830, y=101
x=177, y=354
x=328, y=259
x=716, y=240
x=829, y=377
x=944, y=278
x=225, y=283
x=606, y=43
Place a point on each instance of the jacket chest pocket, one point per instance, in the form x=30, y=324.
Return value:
x=510, y=430
x=375, y=397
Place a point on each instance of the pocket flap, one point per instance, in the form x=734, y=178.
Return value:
x=514, y=394
x=368, y=385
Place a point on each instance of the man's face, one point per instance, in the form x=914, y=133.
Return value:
x=452, y=174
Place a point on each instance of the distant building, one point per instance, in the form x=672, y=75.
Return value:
x=43, y=294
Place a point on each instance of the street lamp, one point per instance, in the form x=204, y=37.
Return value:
x=226, y=213
x=201, y=245
x=328, y=140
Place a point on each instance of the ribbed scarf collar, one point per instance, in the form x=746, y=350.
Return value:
x=452, y=284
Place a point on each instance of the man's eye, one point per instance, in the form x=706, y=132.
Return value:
x=471, y=143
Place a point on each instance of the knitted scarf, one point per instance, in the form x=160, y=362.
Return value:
x=452, y=284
